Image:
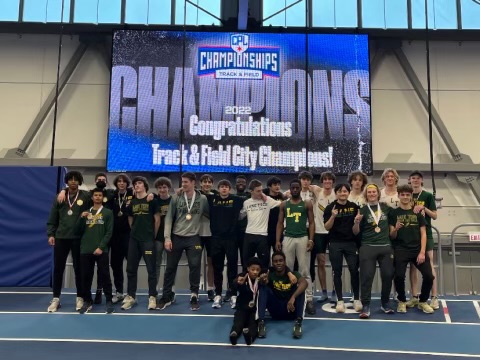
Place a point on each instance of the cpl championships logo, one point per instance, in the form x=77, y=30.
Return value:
x=239, y=60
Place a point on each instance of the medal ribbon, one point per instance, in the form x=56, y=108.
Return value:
x=253, y=287
x=189, y=207
x=70, y=204
x=379, y=213
x=120, y=204
x=418, y=197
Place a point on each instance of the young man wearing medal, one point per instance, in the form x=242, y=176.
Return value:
x=122, y=198
x=423, y=203
x=297, y=241
x=206, y=185
x=371, y=222
x=284, y=299
x=409, y=238
x=339, y=217
x=182, y=227
x=244, y=320
x=144, y=220
x=107, y=201
x=96, y=227
x=62, y=237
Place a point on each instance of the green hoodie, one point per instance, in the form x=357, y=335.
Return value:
x=96, y=232
x=61, y=225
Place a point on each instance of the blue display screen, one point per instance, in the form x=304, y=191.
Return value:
x=239, y=102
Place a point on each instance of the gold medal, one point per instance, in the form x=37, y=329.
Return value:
x=188, y=217
x=120, y=213
x=70, y=212
x=251, y=304
x=80, y=202
x=377, y=229
x=105, y=199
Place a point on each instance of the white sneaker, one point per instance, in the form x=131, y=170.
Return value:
x=233, y=302
x=54, y=305
x=128, y=302
x=357, y=305
x=79, y=303
x=152, y=303
x=434, y=303
x=217, y=302
x=340, y=308
x=117, y=297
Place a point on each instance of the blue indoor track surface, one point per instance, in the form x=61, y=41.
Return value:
x=28, y=330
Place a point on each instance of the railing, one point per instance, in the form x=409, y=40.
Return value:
x=440, y=274
x=455, y=266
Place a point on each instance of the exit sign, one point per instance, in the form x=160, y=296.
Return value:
x=474, y=236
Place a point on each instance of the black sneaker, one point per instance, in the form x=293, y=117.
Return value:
x=98, y=297
x=227, y=297
x=247, y=336
x=233, y=338
x=109, y=308
x=163, y=303
x=262, y=330
x=210, y=295
x=310, y=308
x=87, y=306
x=297, y=329
x=387, y=309
x=365, y=314
x=194, y=305
x=173, y=297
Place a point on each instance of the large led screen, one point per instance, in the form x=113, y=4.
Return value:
x=238, y=102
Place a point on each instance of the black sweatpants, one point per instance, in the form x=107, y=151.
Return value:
x=402, y=258
x=369, y=256
x=245, y=319
x=137, y=250
x=193, y=248
x=60, y=254
x=119, y=252
x=256, y=244
x=222, y=246
x=277, y=307
x=347, y=250
x=88, y=262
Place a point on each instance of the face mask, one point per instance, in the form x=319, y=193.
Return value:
x=101, y=184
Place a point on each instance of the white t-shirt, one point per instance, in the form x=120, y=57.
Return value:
x=319, y=204
x=307, y=195
x=390, y=200
x=357, y=199
x=257, y=215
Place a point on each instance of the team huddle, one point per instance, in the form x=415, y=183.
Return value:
x=355, y=221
